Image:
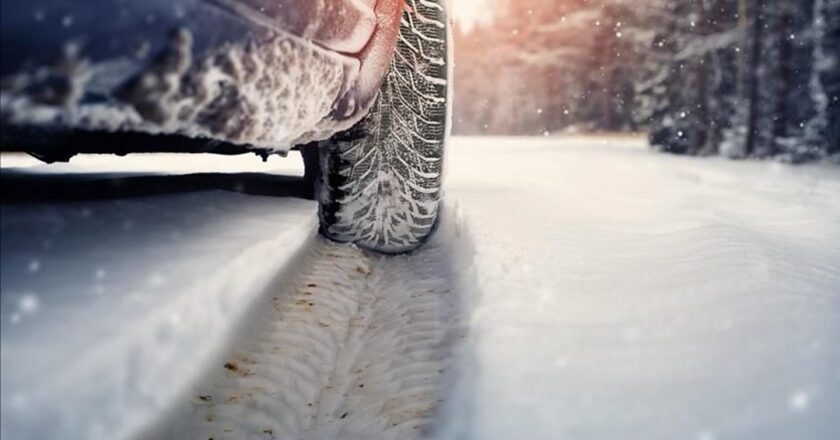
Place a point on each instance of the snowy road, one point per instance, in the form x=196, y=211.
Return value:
x=625, y=294
x=355, y=346
x=606, y=292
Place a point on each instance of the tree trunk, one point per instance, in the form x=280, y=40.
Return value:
x=743, y=25
x=607, y=64
x=716, y=23
x=783, y=81
x=703, y=84
x=753, y=77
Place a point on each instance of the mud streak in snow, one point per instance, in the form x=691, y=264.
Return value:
x=355, y=346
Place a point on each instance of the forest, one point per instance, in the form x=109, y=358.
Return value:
x=739, y=78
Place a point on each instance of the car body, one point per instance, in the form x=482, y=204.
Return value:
x=203, y=75
x=237, y=76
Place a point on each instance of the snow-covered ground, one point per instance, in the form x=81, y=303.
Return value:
x=624, y=294
x=605, y=291
x=110, y=307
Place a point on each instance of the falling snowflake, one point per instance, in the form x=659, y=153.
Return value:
x=706, y=435
x=799, y=401
x=28, y=303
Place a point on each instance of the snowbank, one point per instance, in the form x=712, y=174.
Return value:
x=110, y=308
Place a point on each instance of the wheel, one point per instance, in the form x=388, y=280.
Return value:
x=381, y=185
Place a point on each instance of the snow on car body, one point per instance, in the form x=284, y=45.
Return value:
x=268, y=75
x=366, y=77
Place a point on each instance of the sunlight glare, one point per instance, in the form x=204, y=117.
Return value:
x=470, y=13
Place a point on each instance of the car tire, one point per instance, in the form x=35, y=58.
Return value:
x=381, y=180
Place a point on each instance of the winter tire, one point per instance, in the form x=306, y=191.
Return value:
x=381, y=186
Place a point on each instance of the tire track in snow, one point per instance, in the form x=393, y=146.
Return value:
x=354, y=346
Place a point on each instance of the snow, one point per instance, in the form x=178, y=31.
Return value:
x=272, y=94
x=108, y=306
x=627, y=294
x=354, y=346
x=606, y=291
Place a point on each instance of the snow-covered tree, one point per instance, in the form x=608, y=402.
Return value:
x=692, y=76
x=825, y=81
x=575, y=64
x=742, y=77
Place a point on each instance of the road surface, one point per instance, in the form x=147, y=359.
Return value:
x=577, y=287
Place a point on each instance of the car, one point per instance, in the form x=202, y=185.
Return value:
x=360, y=87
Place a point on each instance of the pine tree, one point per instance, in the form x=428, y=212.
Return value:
x=743, y=78
x=684, y=83
x=741, y=85
x=827, y=65
x=753, y=77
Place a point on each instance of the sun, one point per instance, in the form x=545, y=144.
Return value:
x=472, y=12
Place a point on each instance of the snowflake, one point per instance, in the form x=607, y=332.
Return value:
x=28, y=303
x=799, y=401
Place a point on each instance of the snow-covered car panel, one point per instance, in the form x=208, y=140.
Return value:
x=342, y=25
x=232, y=75
x=375, y=120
